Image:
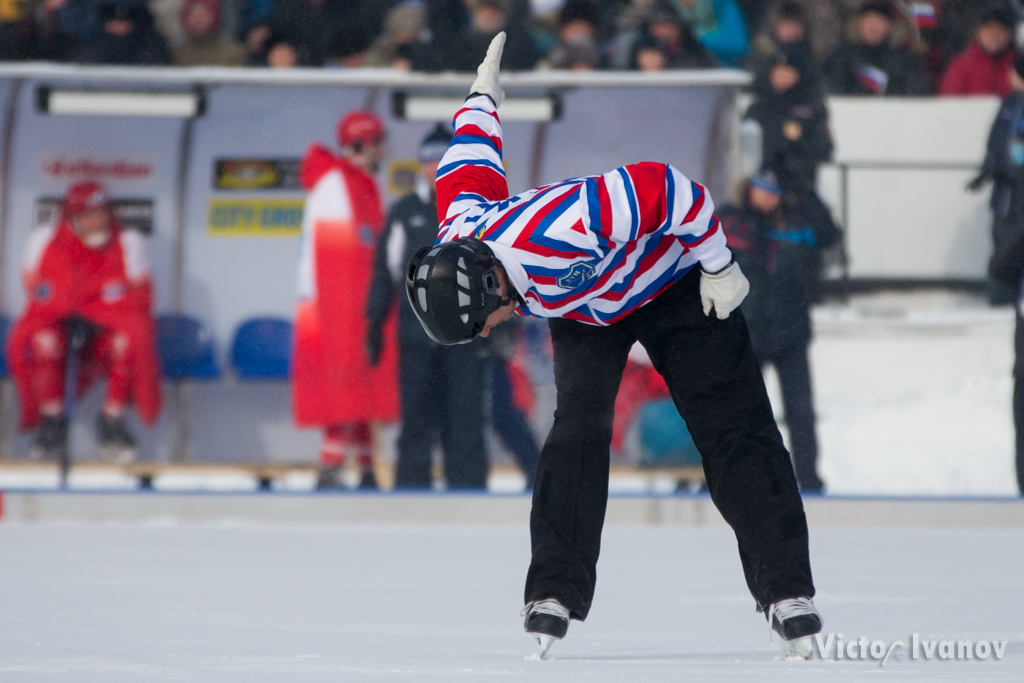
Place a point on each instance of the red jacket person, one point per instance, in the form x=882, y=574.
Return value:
x=635, y=254
x=334, y=387
x=89, y=272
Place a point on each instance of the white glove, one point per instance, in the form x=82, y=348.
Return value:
x=725, y=290
x=486, y=82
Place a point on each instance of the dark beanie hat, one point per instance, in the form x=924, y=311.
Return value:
x=998, y=14
x=435, y=144
x=883, y=7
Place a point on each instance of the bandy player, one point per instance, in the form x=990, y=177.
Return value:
x=612, y=259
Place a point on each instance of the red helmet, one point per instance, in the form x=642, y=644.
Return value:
x=82, y=197
x=360, y=127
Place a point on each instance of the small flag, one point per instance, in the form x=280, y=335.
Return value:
x=925, y=15
x=873, y=78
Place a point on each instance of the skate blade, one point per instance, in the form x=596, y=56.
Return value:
x=798, y=648
x=544, y=644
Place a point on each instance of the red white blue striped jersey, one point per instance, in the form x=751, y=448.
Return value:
x=591, y=249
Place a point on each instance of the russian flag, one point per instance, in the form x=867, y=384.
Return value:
x=873, y=78
x=925, y=15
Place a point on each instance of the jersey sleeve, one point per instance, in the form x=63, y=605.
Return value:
x=136, y=257
x=692, y=219
x=32, y=256
x=471, y=171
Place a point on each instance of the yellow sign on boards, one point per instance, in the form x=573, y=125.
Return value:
x=254, y=217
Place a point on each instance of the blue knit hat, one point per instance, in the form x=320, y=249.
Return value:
x=767, y=180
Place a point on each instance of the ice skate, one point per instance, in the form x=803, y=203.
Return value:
x=368, y=481
x=330, y=479
x=51, y=441
x=547, y=621
x=796, y=621
x=116, y=443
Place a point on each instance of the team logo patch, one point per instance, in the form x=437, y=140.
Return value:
x=576, y=276
x=366, y=235
x=112, y=291
x=43, y=291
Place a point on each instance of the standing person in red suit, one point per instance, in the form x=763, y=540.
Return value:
x=334, y=386
x=89, y=272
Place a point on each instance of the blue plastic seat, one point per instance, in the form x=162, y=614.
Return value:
x=5, y=328
x=262, y=349
x=186, y=348
x=665, y=440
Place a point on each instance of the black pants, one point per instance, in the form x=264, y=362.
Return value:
x=442, y=385
x=798, y=401
x=716, y=384
x=510, y=424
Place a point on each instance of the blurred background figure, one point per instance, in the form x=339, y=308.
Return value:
x=791, y=111
x=1004, y=167
x=127, y=35
x=486, y=19
x=203, y=44
x=334, y=386
x=512, y=397
x=874, y=62
x=86, y=277
x=577, y=37
x=400, y=43
x=442, y=387
x=984, y=67
x=775, y=238
x=718, y=24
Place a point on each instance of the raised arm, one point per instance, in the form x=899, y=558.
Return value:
x=471, y=171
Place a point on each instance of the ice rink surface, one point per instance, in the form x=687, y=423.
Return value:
x=120, y=603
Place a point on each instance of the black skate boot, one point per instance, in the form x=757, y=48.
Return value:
x=547, y=621
x=330, y=478
x=368, y=480
x=796, y=620
x=51, y=441
x=116, y=443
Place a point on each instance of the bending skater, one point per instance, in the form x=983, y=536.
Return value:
x=611, y=260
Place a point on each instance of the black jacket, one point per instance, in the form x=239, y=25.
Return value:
x=848, y=70
x=411, y=224
x=1007, y=176
x=779, y=256
x=795, y=133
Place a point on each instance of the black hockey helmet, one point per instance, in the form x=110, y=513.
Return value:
x=453, y=287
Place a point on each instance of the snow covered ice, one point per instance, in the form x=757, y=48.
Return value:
x=222, y=602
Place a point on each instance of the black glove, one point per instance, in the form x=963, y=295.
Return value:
x=978, y=183
x=374, y=343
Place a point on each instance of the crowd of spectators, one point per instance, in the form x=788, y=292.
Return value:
x=852, y=47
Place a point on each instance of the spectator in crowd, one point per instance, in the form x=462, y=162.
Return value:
x=281, y=51
x=1004, y=167
x=487, y=18
x=126, y=36
x=334, y=386
x=984, y=67
x=874, y=64
x=346, y=45
x=204, y=46
x=442, y=387
x=677, y=42
x=578, y=35
x=791, y=112
x=310, y=24
x=401, y=39
x=788, y=30
x=38, y=38
x=775, y=237
x=250, y=13
x=86, y=277
x=718, y=24
x=649, y=54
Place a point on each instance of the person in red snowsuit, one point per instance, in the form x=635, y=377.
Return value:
x=334, y=387
x=88, y=274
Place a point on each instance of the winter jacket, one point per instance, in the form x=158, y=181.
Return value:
x=855, y=69
x=1004, y=166
x=976, y=72
x=779, y=256
x=411, y=225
